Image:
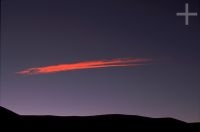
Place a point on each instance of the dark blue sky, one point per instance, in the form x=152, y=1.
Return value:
x=47, y=32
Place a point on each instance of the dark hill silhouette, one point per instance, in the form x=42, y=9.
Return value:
x=91, y=123
x=6, y=114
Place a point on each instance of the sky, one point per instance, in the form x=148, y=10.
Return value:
x=91, y=57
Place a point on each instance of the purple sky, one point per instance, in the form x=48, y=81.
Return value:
x=48, y=32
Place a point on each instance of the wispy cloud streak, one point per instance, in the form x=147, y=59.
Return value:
x=120, y=62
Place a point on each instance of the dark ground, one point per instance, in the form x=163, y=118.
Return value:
x=11, y=121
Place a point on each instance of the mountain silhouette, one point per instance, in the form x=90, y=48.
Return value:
x=91, y=123
x=7, y=114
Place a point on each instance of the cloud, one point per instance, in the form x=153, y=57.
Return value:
x=120, y=62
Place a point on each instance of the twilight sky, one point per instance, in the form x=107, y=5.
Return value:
x=88, y=57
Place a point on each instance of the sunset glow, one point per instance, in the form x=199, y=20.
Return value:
x=120, y=62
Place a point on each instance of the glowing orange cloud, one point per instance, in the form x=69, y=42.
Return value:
x=121, y=62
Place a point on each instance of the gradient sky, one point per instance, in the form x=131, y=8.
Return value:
x=40, y=33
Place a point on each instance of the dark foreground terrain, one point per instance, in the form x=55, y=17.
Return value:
x=12, y=121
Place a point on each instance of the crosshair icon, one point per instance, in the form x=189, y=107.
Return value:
x=187, y=14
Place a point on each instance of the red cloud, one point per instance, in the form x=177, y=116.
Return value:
x=121, y=62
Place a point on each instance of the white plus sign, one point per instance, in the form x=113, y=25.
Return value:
x=186, y=14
